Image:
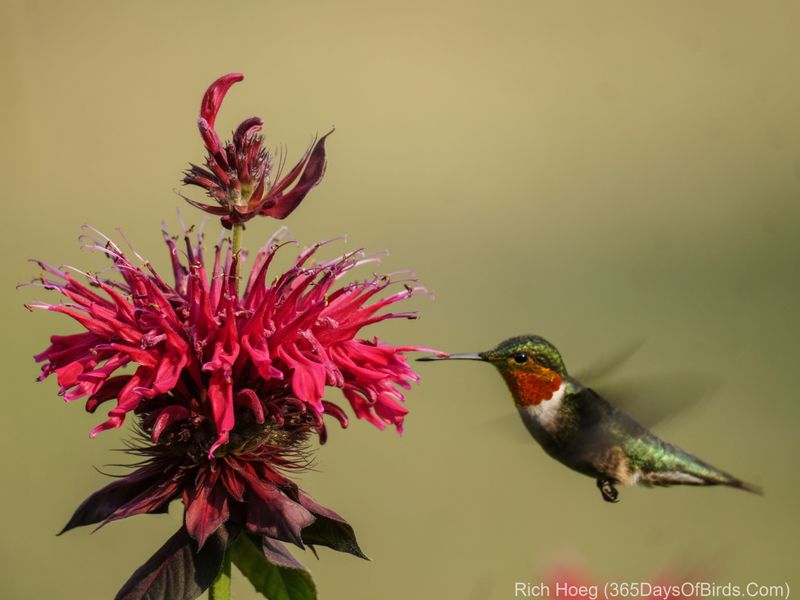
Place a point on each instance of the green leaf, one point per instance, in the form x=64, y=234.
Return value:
x=273, y=581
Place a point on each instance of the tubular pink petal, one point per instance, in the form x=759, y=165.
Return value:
x=113, y=422
x=258, y=350
x=307, y=378
x=250, y=400
x=166, y=417
x=109, y=390
x=336, y=412
x=68, y=374
x=220, y=395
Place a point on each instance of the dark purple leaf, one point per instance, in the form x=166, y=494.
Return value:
x=329, y=530
x=179, y=571
x=106, y=501
x=152, y=500
x=270, y=512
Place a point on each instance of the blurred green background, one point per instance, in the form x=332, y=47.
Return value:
x=593, y=172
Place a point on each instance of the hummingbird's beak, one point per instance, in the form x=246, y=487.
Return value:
x=462, y=356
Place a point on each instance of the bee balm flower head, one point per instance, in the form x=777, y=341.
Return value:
x=202, y=351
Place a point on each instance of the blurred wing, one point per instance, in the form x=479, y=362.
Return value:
x=652, y=398
x=648, y=398
x=603, y=368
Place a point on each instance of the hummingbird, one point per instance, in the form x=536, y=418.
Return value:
x=582, y=430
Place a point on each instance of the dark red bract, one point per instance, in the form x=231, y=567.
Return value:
x=246, y=485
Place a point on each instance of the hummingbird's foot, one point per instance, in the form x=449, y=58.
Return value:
x=607, y=489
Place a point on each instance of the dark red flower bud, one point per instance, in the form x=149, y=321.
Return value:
x=214, y=95
x=239, y=172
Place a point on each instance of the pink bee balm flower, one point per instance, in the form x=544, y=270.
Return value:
x=238, y=173
x=228, y=387
x=205, y=353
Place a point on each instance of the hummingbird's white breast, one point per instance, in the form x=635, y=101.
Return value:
x=545, y=414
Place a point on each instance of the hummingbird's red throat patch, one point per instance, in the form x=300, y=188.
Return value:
x=532, y=385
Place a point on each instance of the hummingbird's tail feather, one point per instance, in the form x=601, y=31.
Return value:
x=709, y=475
x=666, y=465
x=703, y=476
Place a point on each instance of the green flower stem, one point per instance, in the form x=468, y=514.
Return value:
x=238, y=228
x=221, y=588
x=236, y=246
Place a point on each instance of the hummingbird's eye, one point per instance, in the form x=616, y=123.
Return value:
x=520, y=358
